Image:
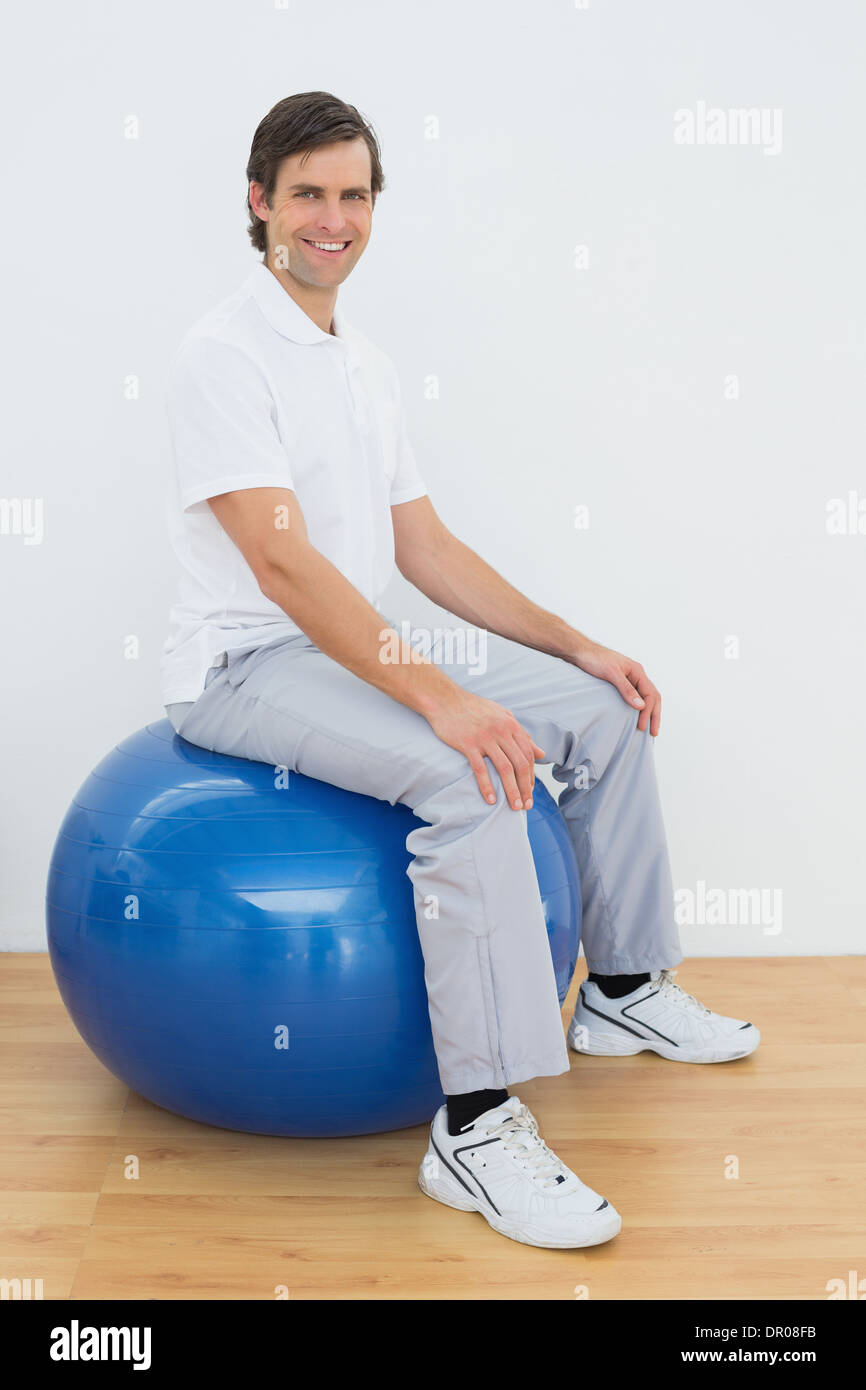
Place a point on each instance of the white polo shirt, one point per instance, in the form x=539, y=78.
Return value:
x=259, y=396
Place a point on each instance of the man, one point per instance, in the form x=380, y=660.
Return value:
x=296, y=490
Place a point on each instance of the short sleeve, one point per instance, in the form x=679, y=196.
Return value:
x=407, y=483
x=222, y=422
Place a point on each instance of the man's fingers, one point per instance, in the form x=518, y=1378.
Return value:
x=524, y=768
x=482, y=776
x=627, y=691
x=651, y=713
x=502, y=763
x=514, y=755
x=527, y=750
x=532, y=751
x=656, y=721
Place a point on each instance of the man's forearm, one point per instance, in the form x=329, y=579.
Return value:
x=459, y=580
x=334, y=615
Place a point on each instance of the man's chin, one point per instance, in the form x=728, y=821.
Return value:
x=300, y=270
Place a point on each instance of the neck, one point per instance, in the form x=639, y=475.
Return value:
x=317, y=303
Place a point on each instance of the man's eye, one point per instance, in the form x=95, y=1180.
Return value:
x=306, y=193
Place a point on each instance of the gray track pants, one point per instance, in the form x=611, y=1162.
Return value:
x=493, y=1006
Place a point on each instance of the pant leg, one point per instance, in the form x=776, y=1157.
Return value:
x=494, y=1010
x=177, y=713
x=610, y=803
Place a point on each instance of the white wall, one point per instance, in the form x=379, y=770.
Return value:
x=559, y=386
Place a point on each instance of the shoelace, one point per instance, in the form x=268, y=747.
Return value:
x=544, y=1165
x=668, y=984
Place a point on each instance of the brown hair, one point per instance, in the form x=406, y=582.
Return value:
x=303, y=122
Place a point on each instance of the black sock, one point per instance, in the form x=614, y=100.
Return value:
x=462, y=1110
x=615, y=986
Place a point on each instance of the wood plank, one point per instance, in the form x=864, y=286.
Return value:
x=220, y=1215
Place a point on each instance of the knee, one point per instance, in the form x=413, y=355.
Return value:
x=615, y=711
x=608, y=724
x=445, y=791
x=430, y=771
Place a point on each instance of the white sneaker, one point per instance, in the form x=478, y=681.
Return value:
x=657, y=1017
x=501, y=1167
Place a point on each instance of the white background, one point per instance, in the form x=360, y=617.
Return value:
x=558, y=386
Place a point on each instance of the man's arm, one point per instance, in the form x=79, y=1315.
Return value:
x=455, y=577
x=267, y=526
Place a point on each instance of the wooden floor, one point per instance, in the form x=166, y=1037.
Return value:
x=219, y=1215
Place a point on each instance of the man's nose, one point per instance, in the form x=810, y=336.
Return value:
x=332, y=217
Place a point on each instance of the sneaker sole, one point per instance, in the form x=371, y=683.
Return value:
x=605, y=1230
x=609, y=1045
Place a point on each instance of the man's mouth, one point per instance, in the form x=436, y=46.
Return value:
x=329, y=249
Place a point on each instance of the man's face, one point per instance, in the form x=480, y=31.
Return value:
x=325, y=200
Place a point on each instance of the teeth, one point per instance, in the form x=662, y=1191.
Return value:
x=329, y=245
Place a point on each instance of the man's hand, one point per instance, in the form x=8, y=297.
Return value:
x=629, y=677
x=480, y=728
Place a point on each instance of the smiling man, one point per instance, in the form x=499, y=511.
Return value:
x=295, y=491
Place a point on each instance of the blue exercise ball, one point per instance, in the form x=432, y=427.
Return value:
x=247, y=955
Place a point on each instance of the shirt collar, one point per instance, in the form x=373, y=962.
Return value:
x=287, y=316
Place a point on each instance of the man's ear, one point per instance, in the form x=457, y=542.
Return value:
x=260, y=193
